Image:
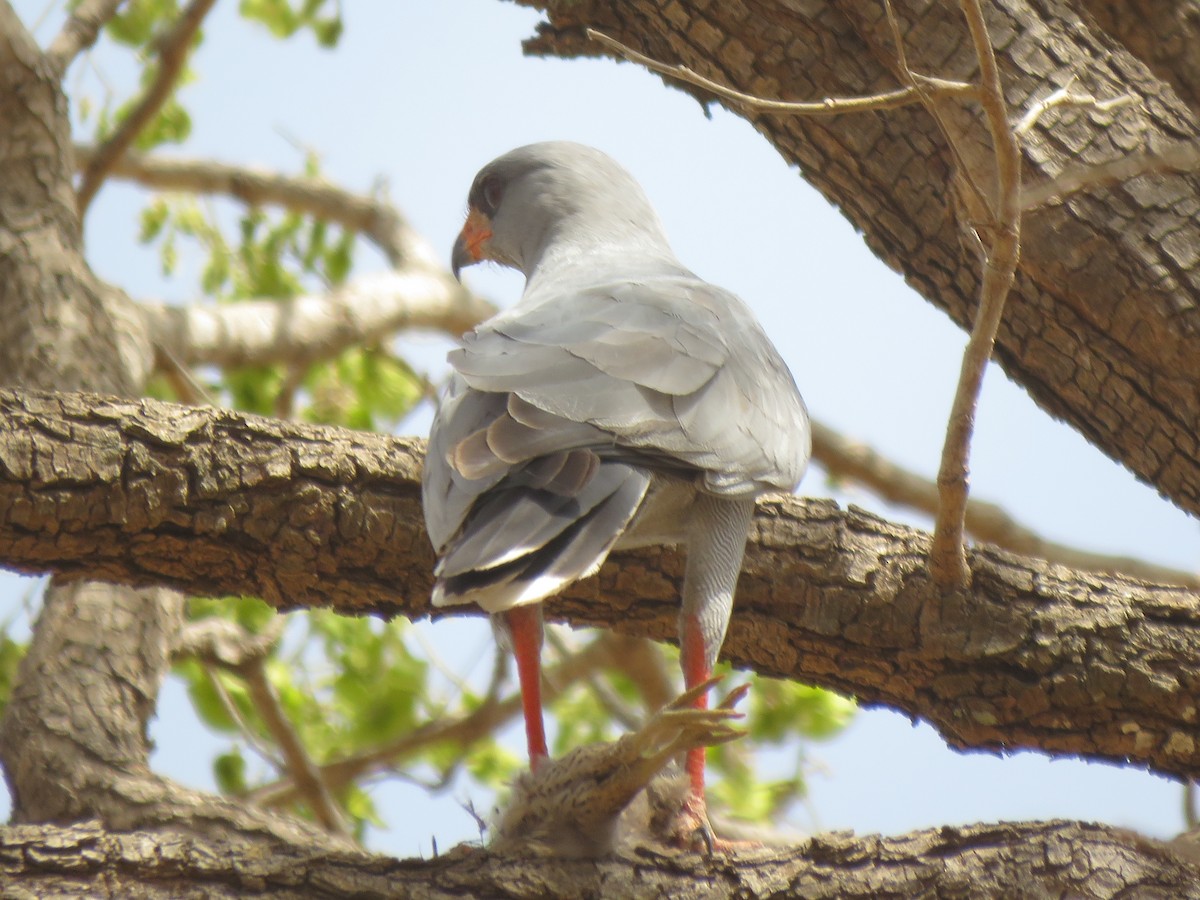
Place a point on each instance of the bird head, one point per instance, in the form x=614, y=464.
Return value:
x=553, y=193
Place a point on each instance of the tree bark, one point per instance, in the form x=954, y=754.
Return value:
x=1031, y=656
x=73, y=737
x=1103, y=324
x=1012, y=860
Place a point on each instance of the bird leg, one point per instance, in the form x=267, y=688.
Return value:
x=696, y=671
x=717, y=539
x=525, y=629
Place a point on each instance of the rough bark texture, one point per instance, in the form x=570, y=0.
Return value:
x=1162, y=35
x=1102, y=324
x=1032, y=656
x=1010, y=861
x=73, y=738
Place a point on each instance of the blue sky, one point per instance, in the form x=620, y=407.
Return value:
x=420, y=95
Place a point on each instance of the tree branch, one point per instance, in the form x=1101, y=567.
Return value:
x=316, y=326
x=988, y=522
x=1051, y=858
x=374, y=217
x=828, y=106
x=1029, y=655
x=80, y=31
x=173, y=49
x=420, y=294
x=1183, y=156
x=1002, y=242
x=303, y=772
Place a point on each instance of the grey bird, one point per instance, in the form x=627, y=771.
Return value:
x=622, y=402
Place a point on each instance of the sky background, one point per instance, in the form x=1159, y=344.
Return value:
x=418, y=97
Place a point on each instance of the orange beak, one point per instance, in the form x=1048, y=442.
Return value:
x=470, y=247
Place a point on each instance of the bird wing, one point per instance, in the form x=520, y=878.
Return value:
x=560, y=413
x=672, y=366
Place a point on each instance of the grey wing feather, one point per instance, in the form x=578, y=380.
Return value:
x=713, y=393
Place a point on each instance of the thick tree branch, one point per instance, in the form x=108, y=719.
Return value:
x=315, y=326
x=985, y=861
x=80, y=31
x=173, y=49
x=1030, y=655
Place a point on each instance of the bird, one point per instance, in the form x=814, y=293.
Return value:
x=621, y=402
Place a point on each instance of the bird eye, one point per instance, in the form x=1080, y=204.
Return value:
x=489, y=195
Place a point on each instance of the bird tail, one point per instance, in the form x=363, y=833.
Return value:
x=522, y=544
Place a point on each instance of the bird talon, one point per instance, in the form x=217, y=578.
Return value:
x=734, y=697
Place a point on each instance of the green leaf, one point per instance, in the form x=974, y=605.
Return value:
x=138, y=21
x=154, y=218
x=492, y=765
x=11, y=654
x=229, y=771
x=285, y=19
x=780, y=709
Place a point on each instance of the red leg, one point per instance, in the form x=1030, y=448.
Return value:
x=695, y=671
x=525, y=624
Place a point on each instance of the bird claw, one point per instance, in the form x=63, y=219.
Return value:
x=681, y=725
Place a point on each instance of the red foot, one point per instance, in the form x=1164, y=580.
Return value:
x=691, y=830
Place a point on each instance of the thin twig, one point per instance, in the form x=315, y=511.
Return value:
x=830, y=106
x=213, y=669
x=80, y=31
x=845, y=458
x=947, y=557
x=1180, y=157
x=967, y=190
x=173, y=48
x=302, y=771
x=1065, y=97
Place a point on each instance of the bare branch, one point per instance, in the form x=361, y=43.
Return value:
x=371, y=216
x=1183, y=156
x=948, y=559
x=80, y=31
x=302, y=771
x=173, y=48
x=1064, y=96
x=225, y=642
x=985, y=521
x=1037, y=859
x=312, y=327
x=830, y=106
